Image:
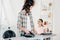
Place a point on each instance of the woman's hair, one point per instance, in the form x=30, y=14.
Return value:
x=27, y=5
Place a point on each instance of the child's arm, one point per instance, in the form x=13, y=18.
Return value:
x=35, y=31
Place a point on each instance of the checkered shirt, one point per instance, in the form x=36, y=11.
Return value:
x=22, y=19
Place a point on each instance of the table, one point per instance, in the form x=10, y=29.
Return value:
x=41, y=37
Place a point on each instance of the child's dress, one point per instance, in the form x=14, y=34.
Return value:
x=39, y=30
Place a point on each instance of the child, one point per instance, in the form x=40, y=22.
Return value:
x=40, y=29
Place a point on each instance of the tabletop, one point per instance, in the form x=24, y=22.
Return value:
x=36, y=37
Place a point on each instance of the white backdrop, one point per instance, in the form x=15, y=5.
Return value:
x=11, y=8
x=9, y=14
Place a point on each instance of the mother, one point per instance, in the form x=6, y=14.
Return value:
x=25, y=19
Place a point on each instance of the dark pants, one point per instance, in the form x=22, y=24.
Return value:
x=47, y=38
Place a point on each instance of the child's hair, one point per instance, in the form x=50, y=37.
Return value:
x=41, y=21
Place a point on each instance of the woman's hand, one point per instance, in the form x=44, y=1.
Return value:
x=23, y=29
x=26, y=31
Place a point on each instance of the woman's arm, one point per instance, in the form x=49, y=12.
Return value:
x=23, y=29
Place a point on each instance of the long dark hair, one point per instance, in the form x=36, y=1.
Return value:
x=27, y=5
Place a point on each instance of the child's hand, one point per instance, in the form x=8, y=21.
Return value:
x=45, y=30
x=36, y=33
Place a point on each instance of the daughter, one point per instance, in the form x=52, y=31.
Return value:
x=40, y=29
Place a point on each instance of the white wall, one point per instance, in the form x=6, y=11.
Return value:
x=11, y=8
x=10, y=11
x=56, y=19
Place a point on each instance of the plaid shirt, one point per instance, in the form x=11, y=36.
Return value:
x=22, y=19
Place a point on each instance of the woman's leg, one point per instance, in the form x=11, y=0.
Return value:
x=47, y=38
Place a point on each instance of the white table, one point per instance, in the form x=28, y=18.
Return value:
x=41, y=37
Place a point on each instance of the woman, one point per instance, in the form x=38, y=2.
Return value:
x=25, y=17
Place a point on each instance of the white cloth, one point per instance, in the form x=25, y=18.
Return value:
x=28, y=23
